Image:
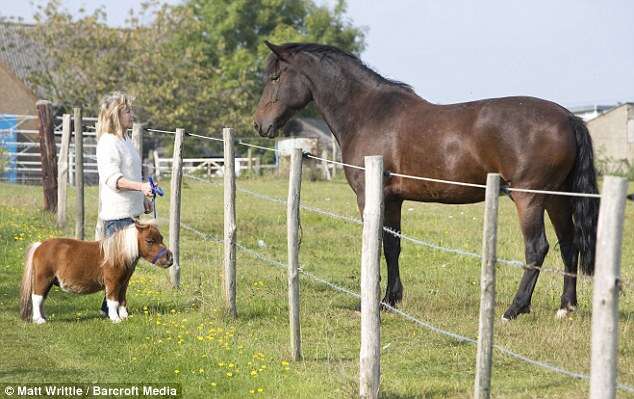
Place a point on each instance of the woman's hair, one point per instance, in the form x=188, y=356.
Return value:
x=109, y=110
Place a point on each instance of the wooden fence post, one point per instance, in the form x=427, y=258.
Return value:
x=175, y=206
x=157, y=165
x=324, y=165
x=250, y=161
x=137, y=139
x=294, y=190
x=482, y=389
x=258, y=166
x=370, y=354
x=48, y=154
x=62, y=172
x=230, y=222
x=79, y=174
x=605, y=296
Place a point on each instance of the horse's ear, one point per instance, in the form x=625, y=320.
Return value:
x=277, y=50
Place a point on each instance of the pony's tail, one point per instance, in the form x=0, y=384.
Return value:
x=585, y=211
x=27, y=283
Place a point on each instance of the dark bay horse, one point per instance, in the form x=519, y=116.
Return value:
x=531, y=143
x=85, y=267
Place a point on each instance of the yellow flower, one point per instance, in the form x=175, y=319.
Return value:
x=252, y=391
x=213, y=384
x=260, y=389
x=201, y=371
x=229, y=374
x=254, y=372
x=177, y=371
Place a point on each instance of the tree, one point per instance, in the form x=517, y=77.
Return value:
x=196, y=66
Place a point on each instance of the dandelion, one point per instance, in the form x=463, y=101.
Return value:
x=284, y=363
x=254, y=372
x=201, y=370
x=260, y=390
x=252, y=391
x=177, y=371
x=213, y=384
x=230, y=374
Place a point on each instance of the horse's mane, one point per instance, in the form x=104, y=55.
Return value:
x=122, y=247
x=334, y=54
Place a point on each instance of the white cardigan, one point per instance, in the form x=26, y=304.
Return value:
x=118, y=158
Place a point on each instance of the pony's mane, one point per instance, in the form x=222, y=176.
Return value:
x=334, y=54
x=122, y=248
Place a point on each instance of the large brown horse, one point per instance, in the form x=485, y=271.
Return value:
x=85, y=267
x=531, y=143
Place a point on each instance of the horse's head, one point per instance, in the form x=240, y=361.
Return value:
x=151, y=247
x=286, y=90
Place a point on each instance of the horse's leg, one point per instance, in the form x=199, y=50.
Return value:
x=560, y=213
x=392, y=250
x=112, y=284
x=123, y=304
x=41, y=286
x=530, y=208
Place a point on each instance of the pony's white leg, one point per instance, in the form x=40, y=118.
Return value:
x=113, y=307
x=37, y=308
x=123, y=312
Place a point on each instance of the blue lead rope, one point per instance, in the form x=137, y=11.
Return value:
x=155, y=190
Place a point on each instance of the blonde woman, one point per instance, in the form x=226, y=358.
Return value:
x=122, y=193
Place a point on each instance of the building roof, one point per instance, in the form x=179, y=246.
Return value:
x=308, y=127
x=18, y=52
x=619, y=106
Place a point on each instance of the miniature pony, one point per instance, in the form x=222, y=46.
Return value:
x=85, y=267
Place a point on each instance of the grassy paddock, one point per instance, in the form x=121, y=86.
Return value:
x=184, y=335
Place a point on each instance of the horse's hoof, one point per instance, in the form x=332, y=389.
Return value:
x=41, y=320
x=115, y=321
x=102, y=313
x=123, y=313
x=564, y=312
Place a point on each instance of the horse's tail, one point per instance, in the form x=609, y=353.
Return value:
x=27, y=283
x=583, y=179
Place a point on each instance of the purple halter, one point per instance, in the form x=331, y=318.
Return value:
x=160, y=253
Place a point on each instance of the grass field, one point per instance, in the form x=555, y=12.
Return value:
x=184, y=336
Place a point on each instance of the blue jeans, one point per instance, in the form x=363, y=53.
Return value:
x=112, y=226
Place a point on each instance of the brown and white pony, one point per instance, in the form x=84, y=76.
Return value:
x=85, y=267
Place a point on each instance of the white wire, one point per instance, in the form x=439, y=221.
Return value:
x=205, y=137
x=257, y=146
x=160, y=131
x=407, y=316
x=459, y=183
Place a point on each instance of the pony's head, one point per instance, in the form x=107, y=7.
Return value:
x=151, y=246
x=139, y=240
x=286, y=90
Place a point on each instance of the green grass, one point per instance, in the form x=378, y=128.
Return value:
x=184, y=335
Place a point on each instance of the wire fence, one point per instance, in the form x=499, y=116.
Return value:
x=420, y=323
x=417, y=241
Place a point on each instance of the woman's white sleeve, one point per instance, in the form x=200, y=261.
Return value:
x=108, y=163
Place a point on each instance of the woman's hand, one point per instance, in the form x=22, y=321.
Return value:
x=146, y=188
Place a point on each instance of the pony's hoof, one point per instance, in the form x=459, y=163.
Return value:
x=115, y=320
x=41, y=320
x=123, y=313
x=102, y=313
x=505, y=319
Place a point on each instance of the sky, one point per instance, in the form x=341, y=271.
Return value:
x=575, y=52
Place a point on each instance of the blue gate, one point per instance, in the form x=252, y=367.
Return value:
x=8, y=141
